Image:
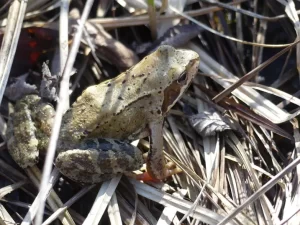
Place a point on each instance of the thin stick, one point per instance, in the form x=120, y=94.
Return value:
x=10, y=41
x=63, y=95
x=35, y=205
x=70, y=202
x=64, y=38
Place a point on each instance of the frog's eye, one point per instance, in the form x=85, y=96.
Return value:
x=182, y=78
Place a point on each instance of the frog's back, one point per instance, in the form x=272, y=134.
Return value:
x=123, y=107
x=102, y=115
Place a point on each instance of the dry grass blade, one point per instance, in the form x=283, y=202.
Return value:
x=5, y=6
x=223, y=35
x=63, y=208
x=256, y=119
x=290, y=10
x=152, y=19
x=291, y=208
x=129, y=215
x=3, y=128
x=227, y=203
x=193, y=207
x=169, y=213
x=6, y=190
x=261, y=191
x=144, y=20
x=275, y=163
x=44, y=9
x=5, y=217
x=210, y=143
x=63, y=96
x=11, y=171
x=63, y=40
x=291, y=215
x=270, y=90
x=182, y=206
x=102, y=200
x=10, y=41
x=252, y=73
x=34, y=5
x=241, y=11
x=53, y=199
x=249, y=96
x=247, y=114
x=221, y=169
x=63, y=34
x=237, y=147
x=114, y=211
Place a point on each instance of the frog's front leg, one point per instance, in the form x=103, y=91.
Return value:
x=156, y=160
x=96, y=160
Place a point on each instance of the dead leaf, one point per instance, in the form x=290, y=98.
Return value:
x=19, y=88
x=207, y=123
x=49, y=84
x=111, y=49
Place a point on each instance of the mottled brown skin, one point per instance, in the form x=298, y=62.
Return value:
x=130, y=106
x=107, y=157
x=29, y=128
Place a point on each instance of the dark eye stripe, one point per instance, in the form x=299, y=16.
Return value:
x=182, y=78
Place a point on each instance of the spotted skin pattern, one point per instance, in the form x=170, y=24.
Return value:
x=93, y=142
x=29, y=128
x=106, y=156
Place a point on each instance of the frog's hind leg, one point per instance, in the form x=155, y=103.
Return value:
x=96, y=160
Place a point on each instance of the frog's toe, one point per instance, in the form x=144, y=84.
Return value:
x=168, y=170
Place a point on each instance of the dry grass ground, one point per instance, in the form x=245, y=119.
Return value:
x=234, y=134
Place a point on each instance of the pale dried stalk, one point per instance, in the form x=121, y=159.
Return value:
x=70, y=202
x=290, y=11
x=169, y=213
x=202, y=25
x=63, y=95
x=10, y=188
x=64, y=38
x=144, y=20
x=101, y=202
x=114, y=211
x=10, y=41
x=201, y=213
x=246, y=94
x=261, y=191
x=5, y=218
x=241, y=153
x=53, y=200
x=152, y=19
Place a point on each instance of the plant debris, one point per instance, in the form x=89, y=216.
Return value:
x=232, y=140
x=207, y=123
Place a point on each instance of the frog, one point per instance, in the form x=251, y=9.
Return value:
x=96, y=131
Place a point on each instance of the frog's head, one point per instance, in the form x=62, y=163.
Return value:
x=180, y=67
